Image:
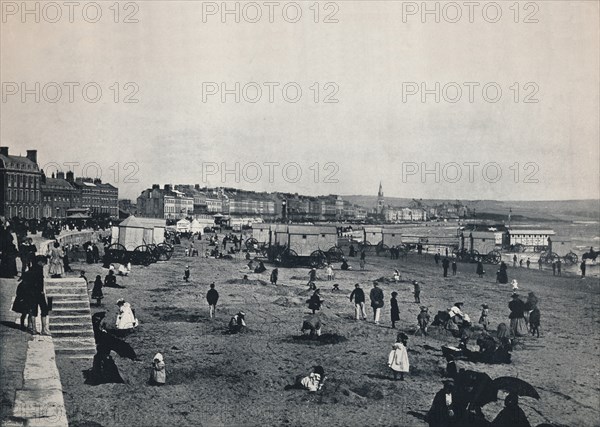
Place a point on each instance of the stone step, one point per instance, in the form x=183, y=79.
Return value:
x=71, y=296
x=76, y=333
x=77, y=352
x=68, y=303
x=59, y=312
x=71, y=327
x=62, y=290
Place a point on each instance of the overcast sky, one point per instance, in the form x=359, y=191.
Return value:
x=367, y=61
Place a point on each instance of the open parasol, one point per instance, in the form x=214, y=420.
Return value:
x=516, y=386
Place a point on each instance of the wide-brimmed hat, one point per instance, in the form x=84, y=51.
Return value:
x=423, y=308
x=402, y=336
x=448, y=381
x=242, y=314
x=394, y=294
x=456, y=304
x=515, y=295
x=484, y=305
x=120, y=301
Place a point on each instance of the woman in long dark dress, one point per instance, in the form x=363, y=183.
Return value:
x=23, y=302
x=502, y=273
x=480, y=272
x=395, y=311
x=97, y=290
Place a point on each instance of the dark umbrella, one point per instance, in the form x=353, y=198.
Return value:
x=517, y=386
x=481, y=386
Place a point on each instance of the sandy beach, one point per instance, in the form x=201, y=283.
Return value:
x=217, y=379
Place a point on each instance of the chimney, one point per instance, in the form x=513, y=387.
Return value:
x=4, y=151
x=168, y=187
x=60, y=175
x=70, y=176
x=155, y=187
x=32, y=155
x=97, y=181
x=197, y=186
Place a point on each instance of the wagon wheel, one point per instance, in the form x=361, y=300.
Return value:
x=318, y=259
x=475, y=256
x=335, y=254
x=251, y=244
x=382, y=248
x=571, y=258
x=552, y=257
x=143, y=255
x=287, y=257
x=116, y=253
x=493, y=257
x=164, y=251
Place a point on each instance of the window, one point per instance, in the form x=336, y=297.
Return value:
x=322, y=235
x=304, y=236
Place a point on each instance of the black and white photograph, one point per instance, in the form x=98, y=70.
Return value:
x=300, y=213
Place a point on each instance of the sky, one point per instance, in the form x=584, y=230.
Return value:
x=503, y=107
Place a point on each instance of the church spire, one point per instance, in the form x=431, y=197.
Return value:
x=380, y=193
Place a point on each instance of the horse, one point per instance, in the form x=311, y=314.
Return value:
x=591, y=255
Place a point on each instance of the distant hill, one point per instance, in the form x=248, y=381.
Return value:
x=552, y=210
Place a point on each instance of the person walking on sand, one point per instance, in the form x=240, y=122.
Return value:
x=398, y=357
x=554, y=268
x=514, y=260
x=312, y=275
x=186, y=274
x=454, y=266
x=558, y=267
x=358, y=295
x=582, y=267
x=528, y=263
x=417, y=292
x=329, y=272
x=376, y=296
x=274, y=276
x=517, y=316
x=480, y=271
x=212, y=297
x=315, y=301
x=394, y=310
x=445, y=265
x=362, y=260
x=540, y=262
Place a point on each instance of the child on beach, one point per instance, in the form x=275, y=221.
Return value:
x=398, y=357
x=417, y=292
x=158, y=375
x=534, y=321
x=423, y=320
x=483, y=319
x=186, y=274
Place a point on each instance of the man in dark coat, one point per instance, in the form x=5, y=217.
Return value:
x=358, y=295
x=274, y=276
x=582, y=267
x=512, y=415
x=445, y=265
x=212, y=296
x=480, y=271
x=454, y=267
x=445, y=411
x=376, y=302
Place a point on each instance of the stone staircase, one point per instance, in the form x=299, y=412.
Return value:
x=70, y=318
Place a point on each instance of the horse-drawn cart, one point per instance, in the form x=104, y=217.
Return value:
x=140, y=241
x=559, y=248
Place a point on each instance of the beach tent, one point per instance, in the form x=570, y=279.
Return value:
x=196, y=227
x=183, y=225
